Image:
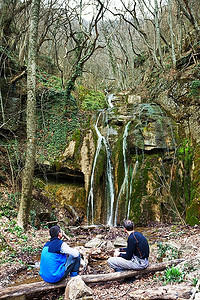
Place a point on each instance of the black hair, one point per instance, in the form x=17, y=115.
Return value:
x=129, y=225
x=54, y=231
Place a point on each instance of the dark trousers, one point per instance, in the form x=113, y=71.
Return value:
x=72, y=265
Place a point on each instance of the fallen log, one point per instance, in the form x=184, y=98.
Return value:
x=126, y=274
x=37, y=287
x=167, y=292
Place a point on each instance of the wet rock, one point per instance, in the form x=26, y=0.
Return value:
x=77, y=289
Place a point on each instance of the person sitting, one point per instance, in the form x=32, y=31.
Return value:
x=58, y=259
x=135, y=256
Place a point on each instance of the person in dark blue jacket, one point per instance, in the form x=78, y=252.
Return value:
x=135, y=256
x=58, y=259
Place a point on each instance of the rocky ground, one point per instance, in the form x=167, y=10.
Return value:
x=20, y=253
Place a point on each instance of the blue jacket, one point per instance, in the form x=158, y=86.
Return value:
x=52, y=263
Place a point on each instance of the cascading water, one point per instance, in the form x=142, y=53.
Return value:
x=110, y=188
x=124, y=186
x=91, y=193
x=148, y=129
x=110, y=97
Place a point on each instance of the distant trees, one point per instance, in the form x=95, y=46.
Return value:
x=166, y=29
x=81, y=42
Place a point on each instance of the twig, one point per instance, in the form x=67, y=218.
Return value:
x=128, y=289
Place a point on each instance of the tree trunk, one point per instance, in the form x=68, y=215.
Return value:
x=157, y=28
x=27, y=176
x=187, y=10
x=171, y=34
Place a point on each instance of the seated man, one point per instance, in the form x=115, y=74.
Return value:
x=58, y=259
x=136, y=254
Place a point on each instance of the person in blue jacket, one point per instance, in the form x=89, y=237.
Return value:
x=58, y=259
x=135, y=256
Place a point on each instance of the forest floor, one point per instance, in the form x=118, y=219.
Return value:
x=20, y=254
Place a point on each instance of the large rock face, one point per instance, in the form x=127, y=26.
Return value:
x=134, y=162
x=181, y=101
x=141, y=141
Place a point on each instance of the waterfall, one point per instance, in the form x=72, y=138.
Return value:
x=91, y=195
x=124, y=186
x=110, y=98
x=142, y=115
x=110, y=186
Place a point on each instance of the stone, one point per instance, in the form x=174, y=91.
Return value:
x=77, y=289
x=69, y=151
x=109, y=246
x=133, y=99
x=94, y=243
x=120, y=242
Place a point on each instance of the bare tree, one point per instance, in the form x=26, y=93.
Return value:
x=81, y=43
x=187, y=9
x=130, y=16
x=171, y=34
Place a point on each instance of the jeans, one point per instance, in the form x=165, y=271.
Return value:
x=72, y=265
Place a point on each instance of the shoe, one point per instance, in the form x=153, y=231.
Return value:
x=73, y=274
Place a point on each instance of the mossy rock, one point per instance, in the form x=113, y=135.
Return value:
x=193, y=213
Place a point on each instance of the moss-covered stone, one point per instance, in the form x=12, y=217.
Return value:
x=193, y=210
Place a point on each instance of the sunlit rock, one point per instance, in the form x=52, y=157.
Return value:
x=133, y=99
x=69, y=151
x=77, y=289
x=94, y=243
x=120, y=242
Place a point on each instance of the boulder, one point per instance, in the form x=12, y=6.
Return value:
x=120, y=242
x=69, y=151
x=132, y=99
x=94, y=243
x=77, y=289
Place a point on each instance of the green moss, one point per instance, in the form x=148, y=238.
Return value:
x=139, y=190
x=90, y=99
x=119, y=161
x=193, y=213
x=193, y=210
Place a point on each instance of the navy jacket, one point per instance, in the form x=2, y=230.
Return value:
x=137, y=245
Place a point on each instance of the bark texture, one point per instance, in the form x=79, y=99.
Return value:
x=28, y=171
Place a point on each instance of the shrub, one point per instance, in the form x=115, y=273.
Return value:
x=194, y=88
x=90, y=99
